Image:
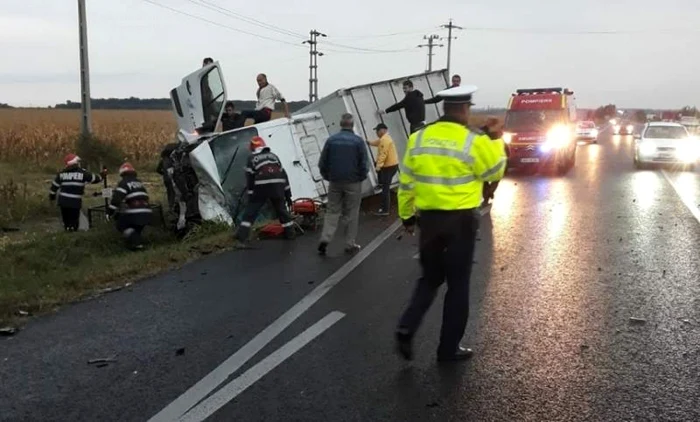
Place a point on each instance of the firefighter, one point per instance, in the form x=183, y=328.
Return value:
x=130, y=207
x=441, y=178
x=266, y=181
x=70, y=186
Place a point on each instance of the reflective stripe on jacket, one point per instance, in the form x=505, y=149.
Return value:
x=444, y=168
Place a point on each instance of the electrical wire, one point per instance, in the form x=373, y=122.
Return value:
x=247, y=19
x=222, y=25
x=585, y=32
x=392, y=34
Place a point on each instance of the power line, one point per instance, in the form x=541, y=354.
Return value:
x=450, y=26
x=368, y=50
x=583, y=32
x=244, y=18
x=431, y=44
x=392, y=34
x=221, y=25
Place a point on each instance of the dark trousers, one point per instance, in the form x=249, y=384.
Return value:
x=131, y=232
x=258, y=116
x=446, y=244
x=253, y=209
x=71, y=218
x=415, y=127
x=385, y=175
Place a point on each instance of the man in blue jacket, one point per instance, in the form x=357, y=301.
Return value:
x=344, y=164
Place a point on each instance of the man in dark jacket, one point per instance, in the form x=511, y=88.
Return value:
x=456, y=81
x=267, y=181
x=69, y=184
x=343, y=163
x=130, y=206
x=231, y=120
x=413, y=105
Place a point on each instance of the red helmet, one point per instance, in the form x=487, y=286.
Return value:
x=71, y=159
x=126, y=167
x=257, y=142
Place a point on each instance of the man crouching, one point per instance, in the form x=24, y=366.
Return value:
x=130, y=207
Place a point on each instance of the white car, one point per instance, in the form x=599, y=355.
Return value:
x=586, y=131
x=666, y=143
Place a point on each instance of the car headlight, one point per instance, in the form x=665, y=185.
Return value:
x=507, y=137
x=688, y=152
x=558, y=137
x=646, y=148
x=594, y=132
x=616, y=128
x=613, y=121
x=630, y=128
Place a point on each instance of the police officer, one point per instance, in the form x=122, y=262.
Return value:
x=69, y=184
x=441, y=178
x=267, y=181
x=130, y=204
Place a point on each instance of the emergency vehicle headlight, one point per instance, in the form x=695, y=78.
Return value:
x=559, y=136
x=507, y=137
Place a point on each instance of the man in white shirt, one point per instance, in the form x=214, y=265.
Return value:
x=267, y=95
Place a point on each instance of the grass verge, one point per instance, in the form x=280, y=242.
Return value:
x=47, y=271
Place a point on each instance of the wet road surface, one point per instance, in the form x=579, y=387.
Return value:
x=585, y=306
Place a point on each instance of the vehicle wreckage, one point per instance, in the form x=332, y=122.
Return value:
x=203, y=169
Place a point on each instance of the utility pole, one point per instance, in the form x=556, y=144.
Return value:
x=450, y=26
x=85, y=107
x=313, y=63
x=431, y=44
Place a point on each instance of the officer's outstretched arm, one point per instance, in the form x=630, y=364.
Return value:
x=406, y=193
x=489, y=159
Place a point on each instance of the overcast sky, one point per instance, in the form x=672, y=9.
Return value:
x=140, y=49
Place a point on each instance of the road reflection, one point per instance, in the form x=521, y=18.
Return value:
x=645, y=188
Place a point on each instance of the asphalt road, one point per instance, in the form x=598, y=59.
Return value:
x=585, y=307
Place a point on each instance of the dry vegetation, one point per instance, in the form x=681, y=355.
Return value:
x=42, y=137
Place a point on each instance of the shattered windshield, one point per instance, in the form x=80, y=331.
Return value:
x=212, y=97
x=231, y=152
x=533, y=120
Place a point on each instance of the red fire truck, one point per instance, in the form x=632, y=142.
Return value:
x=540, y=129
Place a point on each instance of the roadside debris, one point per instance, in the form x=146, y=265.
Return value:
x=686, y=321
x=22, y=313
x=635, y=320
x=102, y=362
x=111, y=289
x=8, y=331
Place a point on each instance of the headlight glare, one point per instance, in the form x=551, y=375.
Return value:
x=558, y=137
x=507, y=137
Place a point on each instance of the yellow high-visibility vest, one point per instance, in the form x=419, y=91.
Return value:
x=445, y=167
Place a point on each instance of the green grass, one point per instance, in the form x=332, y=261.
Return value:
x=44, y=272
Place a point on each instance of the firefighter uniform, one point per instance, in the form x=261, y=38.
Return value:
x=69, y=185
x=442, y=176
x=266, y=181
x=130, y=206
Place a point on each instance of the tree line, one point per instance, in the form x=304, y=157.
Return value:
x=133, y=103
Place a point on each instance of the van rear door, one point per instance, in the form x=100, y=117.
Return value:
x=198, y=102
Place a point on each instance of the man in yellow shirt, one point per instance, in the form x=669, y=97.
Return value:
x=386, y=166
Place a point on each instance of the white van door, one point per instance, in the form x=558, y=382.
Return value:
x=198, y=103
x=312, y=135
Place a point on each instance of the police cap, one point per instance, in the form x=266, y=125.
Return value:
x=458, y=95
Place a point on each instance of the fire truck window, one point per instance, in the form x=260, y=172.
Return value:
x=533, y=119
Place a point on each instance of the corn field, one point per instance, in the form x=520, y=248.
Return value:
x=42, y=137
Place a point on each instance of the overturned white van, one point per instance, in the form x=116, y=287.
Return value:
x=218, y=159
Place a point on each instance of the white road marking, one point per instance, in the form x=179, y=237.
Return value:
x=687, y=201
x=209, y=406
x=211, y=381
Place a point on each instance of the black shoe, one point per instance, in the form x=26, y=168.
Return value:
x=381, y=213
x=461, y=354
x=352, y=248
x=404, y=346
x=322, y=248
